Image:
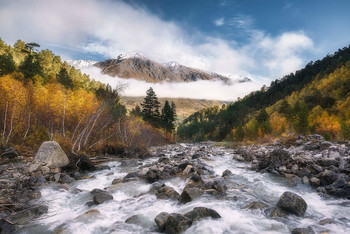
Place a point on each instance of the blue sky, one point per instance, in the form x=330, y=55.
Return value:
x=262, y=39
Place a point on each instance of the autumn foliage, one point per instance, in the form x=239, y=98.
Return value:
x=43, y=98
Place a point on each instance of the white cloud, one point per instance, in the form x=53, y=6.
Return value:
x=198, y=90
x=219, y=22
x=114, y=27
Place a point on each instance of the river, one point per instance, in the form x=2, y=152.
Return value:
x=66, y=205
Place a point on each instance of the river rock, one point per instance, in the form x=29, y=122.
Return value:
x=161, y=220
x=303, y=231
x=101, y=197
x=66, y=179
x=139, y=220
x=9, y=152
x=6, y=227
x=289, y=203
x=256, y=205
x=177, y=223
x=152, y=175
x=187, y=170
x=189, y=194
x=131, y=176
x=325, y=145
x=51, y=153
x=202, y=212
x=89, y=215
x=327, y=221
x=226, y=173
x=315, y=182
x=167, y=192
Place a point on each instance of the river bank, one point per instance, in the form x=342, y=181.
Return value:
x=195, y=188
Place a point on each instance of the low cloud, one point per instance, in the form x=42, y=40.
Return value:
x=110, y=28
x=219, y=22
x=215, y=90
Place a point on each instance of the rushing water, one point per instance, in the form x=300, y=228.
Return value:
x=245, y=186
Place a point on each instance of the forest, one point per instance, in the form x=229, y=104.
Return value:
x=314, y=99
x=43, y=98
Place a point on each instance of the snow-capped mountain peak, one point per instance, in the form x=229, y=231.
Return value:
x=129, y=55
x=81, y=63
x=172, y=64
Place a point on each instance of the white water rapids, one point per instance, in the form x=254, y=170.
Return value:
x=131, y=198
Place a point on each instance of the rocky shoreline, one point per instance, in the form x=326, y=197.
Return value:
x=310, y=160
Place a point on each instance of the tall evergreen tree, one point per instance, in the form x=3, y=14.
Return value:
x=64, y=78
x=150, y=107
x=7, y=64
x=30, y=67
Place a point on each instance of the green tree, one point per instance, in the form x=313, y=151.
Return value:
x=301, y=113
x=30, y=67
x=136, y=111
x=150, y=107
x=64, y=78
x=168, y=117
x=31, y=46
x=7, y=64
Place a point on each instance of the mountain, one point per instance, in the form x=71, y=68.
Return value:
x=137, y=66
x=184, y=106
x=315, y=99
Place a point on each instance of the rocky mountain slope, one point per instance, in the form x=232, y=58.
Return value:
x=139, y=67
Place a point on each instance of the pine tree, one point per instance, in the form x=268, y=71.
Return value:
x=7, y=64
x=150, y=107
x=30, y=67
x=136, y=111
x=64, y=78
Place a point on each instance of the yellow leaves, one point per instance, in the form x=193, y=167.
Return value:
x=278, y=123
x=12, y=91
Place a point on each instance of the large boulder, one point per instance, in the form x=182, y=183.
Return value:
x=289, y=203
x=51, y=153
x=176, y=223
x=101, y=197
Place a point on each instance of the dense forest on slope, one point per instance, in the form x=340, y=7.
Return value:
x=43, y=98
x=312, y=100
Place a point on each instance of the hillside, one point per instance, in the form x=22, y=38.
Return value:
x=312, y=100
x=43, y=98
x=184, y=106
x=141, y=68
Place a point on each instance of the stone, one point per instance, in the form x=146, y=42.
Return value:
x=152, y=176
x=220, y=185
x=226, y=173
x=303, y=231
x=327, y=221
x=195, y=156
x=89, y=215
x=102, y=197
x=51, y=153
x=117, y=181
x=315, y=182
x=97, y=191
x=45, y=170
x=256, y=205
x=295, y=169
x=326, y=162
x=131, y=176
x=66, y=179
x=139, y=220
x=167, y=192
x=189, y=194
x=6, y=227
x=57, y=177
x=77, y=175
x=282, y=168
x=9, y=152
x=290, y=203
x=202, y=212
x=161, y=220
x=177, y=223
x=187, y=170
x=305, y=180
x=325, y=145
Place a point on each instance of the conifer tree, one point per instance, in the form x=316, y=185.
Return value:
x=64, y=78
x=150, y=107
x=7, y=64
